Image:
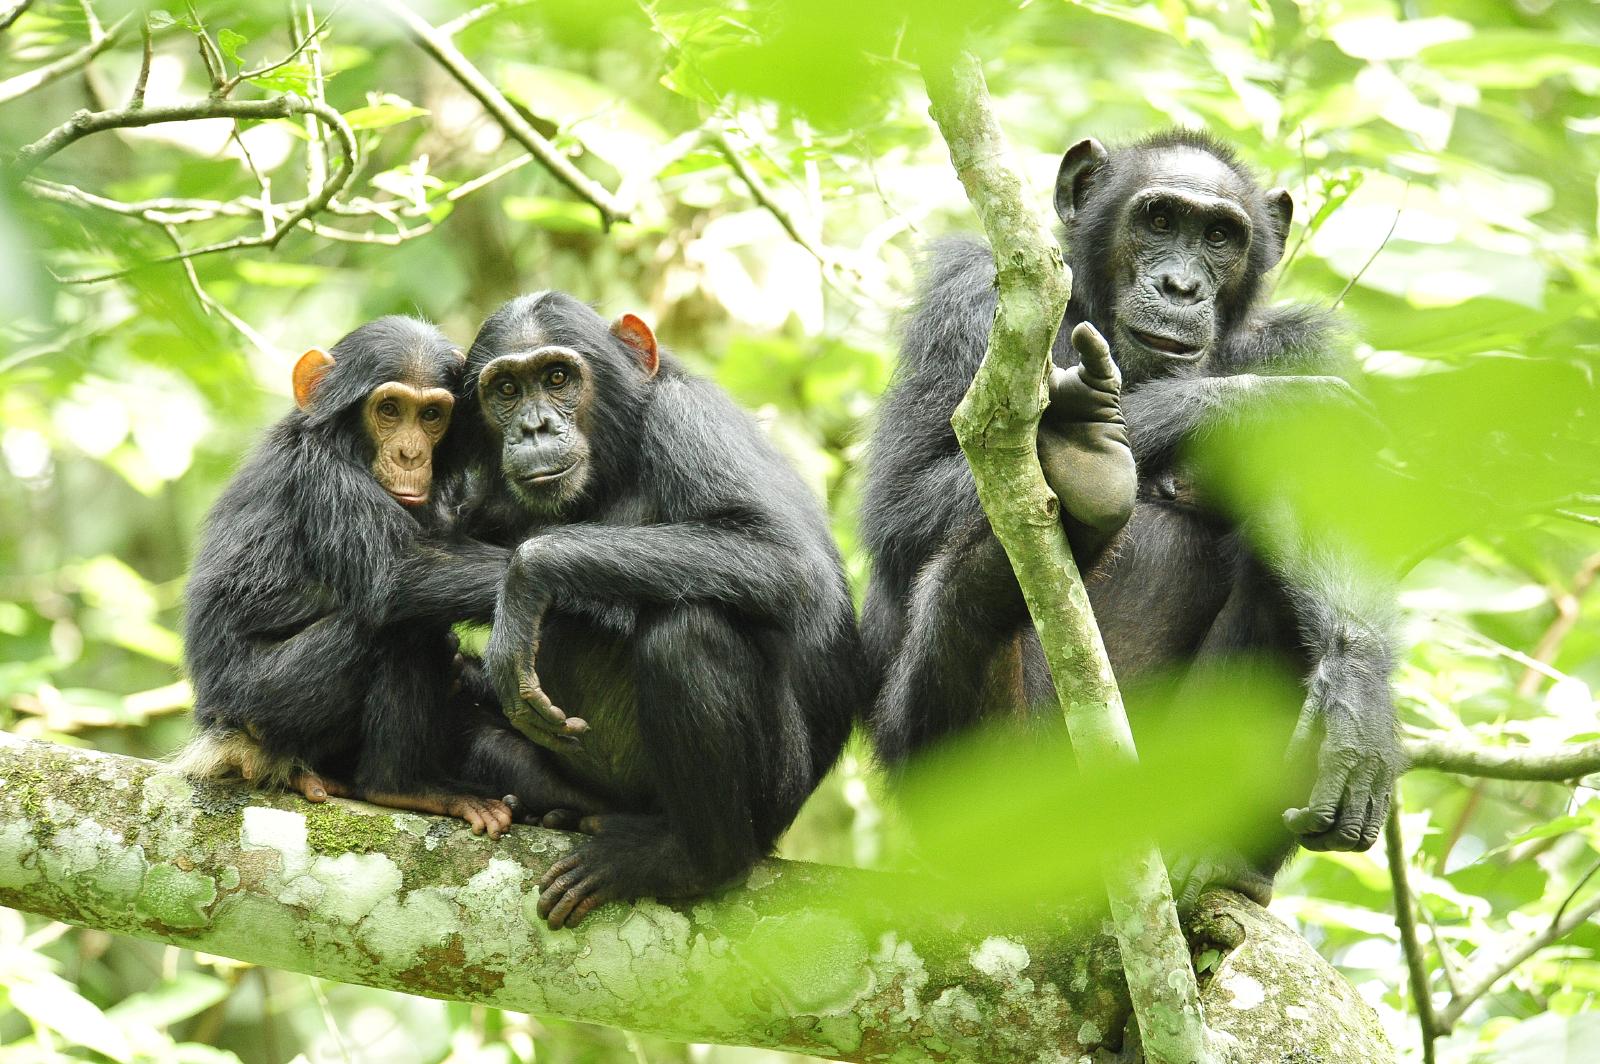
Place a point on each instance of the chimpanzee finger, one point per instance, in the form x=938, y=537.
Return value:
x=1355, y=813
x=589, y=904
x=551, y=896
x=564, y=912
x=1322, y=811
x=560, y=868
x=1377, y=816
x=1095, y=353
x=575, y=726
x=592, y=825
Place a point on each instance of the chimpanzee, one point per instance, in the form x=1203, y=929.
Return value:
x=318, y=610
x=676, y=587
x=1169, y=240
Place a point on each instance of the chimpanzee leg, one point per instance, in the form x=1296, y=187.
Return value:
x=964, y=605
x=405, y=735
x=1254, y=625
x=701, y=704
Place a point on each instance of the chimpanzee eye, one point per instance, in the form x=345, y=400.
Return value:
x=1160, y=221
x=389, y=408
x=430, y=413
x=556, y=377
x=1217, y=234
x=507, y=387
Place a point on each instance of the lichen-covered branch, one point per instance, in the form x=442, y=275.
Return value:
x=997, y=424
x=799, y=957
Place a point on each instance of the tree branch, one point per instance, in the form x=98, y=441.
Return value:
x=1553, y=764
x=1405, y=919
x=12, y=13
x=800, y=957
x=445, y=53
x=997, y=424
x=38, y=77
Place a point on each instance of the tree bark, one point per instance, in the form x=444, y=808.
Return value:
x=799, y=957
x=997, y=425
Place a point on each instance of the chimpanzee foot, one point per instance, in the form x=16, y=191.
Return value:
x=630, y=856
x=490, y=816
x=576, y=884
x=1193, y=876
x=318, y=788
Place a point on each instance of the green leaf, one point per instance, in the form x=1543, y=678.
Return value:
x=230, y=42
x=188, y=994
x=1511, y=59
x=385, y=110
x=52, y=1002
x=603, y=122
x=556, y=215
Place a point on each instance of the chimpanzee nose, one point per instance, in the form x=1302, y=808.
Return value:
x=1182, y=289
x=410, y=457
x=537, y=424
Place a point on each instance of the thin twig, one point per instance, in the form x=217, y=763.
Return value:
x=1573, y=515
x=12, y=13
x=1447, y=967
x=278, y=64
x=212, y=305
x=38, y=77
x=1490, y=974
x=482, y=11
x=136, y=101
x=210, y=54
x=1377, y=250
x=443, y=52
x=1405, y=919
x=85, y=123
x=764, y=198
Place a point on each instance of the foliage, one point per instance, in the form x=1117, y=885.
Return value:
x=778, y=173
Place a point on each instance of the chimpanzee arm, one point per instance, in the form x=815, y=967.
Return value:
x=1345, y=613
x=444, y=582
x=1163, y=414
x=961, y=608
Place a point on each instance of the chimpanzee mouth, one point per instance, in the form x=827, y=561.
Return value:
x=1165, y=344
x=545, y=478
x=409, y=498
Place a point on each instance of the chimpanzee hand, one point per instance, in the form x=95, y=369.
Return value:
x=1357, y=759
x=513, y=648
x=1083, y=443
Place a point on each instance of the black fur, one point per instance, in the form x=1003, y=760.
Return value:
x=689, y=605
x=318, y=608
x=945, y=624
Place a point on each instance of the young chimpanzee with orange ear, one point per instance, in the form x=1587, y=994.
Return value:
x=317, y=630
x=676, y=587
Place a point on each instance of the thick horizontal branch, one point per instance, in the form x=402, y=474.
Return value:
x=800, y=957
x=444, y=52
x=1554, y=764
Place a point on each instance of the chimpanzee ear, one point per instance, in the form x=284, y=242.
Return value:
x=637, y=335
x=308, y=373
x=1077, y=167
x=1280, y=208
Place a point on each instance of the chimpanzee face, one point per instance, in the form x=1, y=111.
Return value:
x=1185, y=239
x=538, y=401
x=1171, y=241
x=405, y=423
x=390, y=381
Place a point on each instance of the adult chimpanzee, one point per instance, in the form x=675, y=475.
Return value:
x=317, y=629
x=675, y=586
x=1168, y=240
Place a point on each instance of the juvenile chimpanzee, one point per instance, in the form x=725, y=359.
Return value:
x=317, y=628
x=1168, y=240
x=676, y=587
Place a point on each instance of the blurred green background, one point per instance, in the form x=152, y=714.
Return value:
x=780, y=173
